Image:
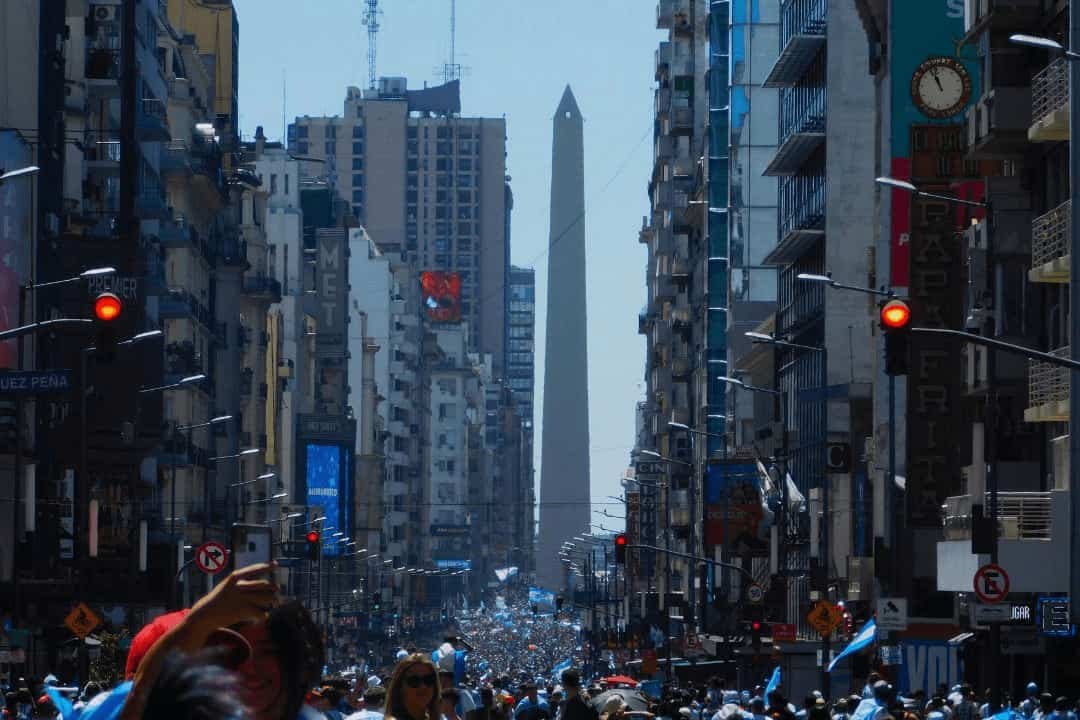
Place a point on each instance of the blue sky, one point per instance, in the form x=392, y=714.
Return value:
x=519, y=56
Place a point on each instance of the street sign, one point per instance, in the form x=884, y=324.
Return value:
x=755, y=593
x=1053, y=617
x=892, y=613
x=825, y=617
x=890, y=654
x=211, y=557
x=991, y=583
x=35, y=382
x=783, y=632
x=81, y=621
x=997, y=613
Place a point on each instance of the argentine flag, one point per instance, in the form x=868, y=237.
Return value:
x=863, y=639
x=774, y=682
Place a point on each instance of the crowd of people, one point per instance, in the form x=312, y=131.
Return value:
x=241, y=653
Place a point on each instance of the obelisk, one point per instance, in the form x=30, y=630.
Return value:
x=564, y=460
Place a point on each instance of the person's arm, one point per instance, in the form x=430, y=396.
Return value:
x=246, y=594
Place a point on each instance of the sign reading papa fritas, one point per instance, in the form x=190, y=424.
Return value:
x=35, y=382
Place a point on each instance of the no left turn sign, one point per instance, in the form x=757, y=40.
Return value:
x=211, y=557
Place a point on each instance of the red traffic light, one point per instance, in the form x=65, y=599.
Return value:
x=755, y=626
x=895, y=315
x=313, y=536
x=107, y=307
x=620, y=540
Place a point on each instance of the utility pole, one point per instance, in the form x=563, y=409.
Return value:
x=1074, y=310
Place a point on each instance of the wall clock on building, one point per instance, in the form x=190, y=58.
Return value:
x=941, y=87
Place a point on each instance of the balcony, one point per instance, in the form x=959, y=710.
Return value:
x=997, y=125
x=1050, y=245
x=673, y=15
x=1000, y=16
x=1048, y=390
x=152, y=121
x=1050, y=103
x=663, y=60
x=663, y=150
x=802, y=36
x=263, y=288
x=682, y=120
x=661, y=102
x=103, y=69
x=102, y=154
x=802, y=217
x=645, y=321
x=682, y=365
x=1033, y=541
x=802, y=127
x=150, y=202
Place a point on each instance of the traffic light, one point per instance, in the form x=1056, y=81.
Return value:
x=620, y=549
x=313, y=545
x=895, y=317
x=755, y=634
x=107, y=309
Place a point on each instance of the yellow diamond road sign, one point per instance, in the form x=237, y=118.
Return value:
x=81, y=620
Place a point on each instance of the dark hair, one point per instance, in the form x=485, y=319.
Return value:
x=451, y=694
x=193, y=687
x=571, y=678
x=297, y=643
x=375, y=696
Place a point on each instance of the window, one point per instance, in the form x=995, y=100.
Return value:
x=357, y=195
x=442, y=133
x=273, y=183
x=331, y=147
x=464, y=196
x=411, y=132
x=411, y=164
x=358, y=132
x=358, y=163
x=331, y=131
x=447, y=411
x=448, y=386
x=442, y=164
x=357, y=180
x=301, y=131
x=302, y=148
x=465, y=164
x=286, y=178
x=358, y=148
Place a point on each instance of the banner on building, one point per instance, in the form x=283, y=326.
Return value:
x=733, y=505
x=441, y=295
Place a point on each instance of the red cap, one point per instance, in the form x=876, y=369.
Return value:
x=145, y=639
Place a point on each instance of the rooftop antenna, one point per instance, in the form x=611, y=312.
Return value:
x=371, y=20
x=452, y=70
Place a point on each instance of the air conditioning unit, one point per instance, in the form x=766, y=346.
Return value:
x=104, y=13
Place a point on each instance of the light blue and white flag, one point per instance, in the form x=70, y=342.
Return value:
x=862, y=640
x=556, y=672
x=774, y=681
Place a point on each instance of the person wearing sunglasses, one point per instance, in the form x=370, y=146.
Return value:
x=413, y=692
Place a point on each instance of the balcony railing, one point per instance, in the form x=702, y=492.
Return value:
x=1021, y=516
x=802, y=17
x=1050, y=235
x=1050, y=103
x=802, y=110
x=1048, y=383
x=802, y=204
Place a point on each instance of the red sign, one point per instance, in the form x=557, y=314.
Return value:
x=441, y=295
x=991, y=583
x=211, y=557
x=782, y=632
x=648, y=662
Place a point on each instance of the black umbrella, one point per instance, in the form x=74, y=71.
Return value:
x=633, y=699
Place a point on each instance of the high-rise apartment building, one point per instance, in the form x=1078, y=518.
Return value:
x=424, y=182
x=825, y=165
x=521, y=343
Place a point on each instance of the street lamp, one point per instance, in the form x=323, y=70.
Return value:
x=828, y=280
x=12, y=174
x=84, y=275
x=1044, y=43
x=190, y=379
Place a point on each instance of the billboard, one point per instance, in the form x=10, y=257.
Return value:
x=330, y=293
x=14, y=235
x=441, y=294
x=734, y=505
x=324, y=487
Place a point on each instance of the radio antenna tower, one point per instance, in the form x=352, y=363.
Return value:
x=452, y=70
x=371, y=20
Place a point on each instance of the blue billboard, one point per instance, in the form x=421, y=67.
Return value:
x=325, y=495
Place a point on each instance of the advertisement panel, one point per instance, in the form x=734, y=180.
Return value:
x=924, y=45
x=926, y=665
x=330, y=293
x=441, y=295
x=633, y=533
x=14, y=235
x=733, y=504
x=650, y=475
x=324, y=496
